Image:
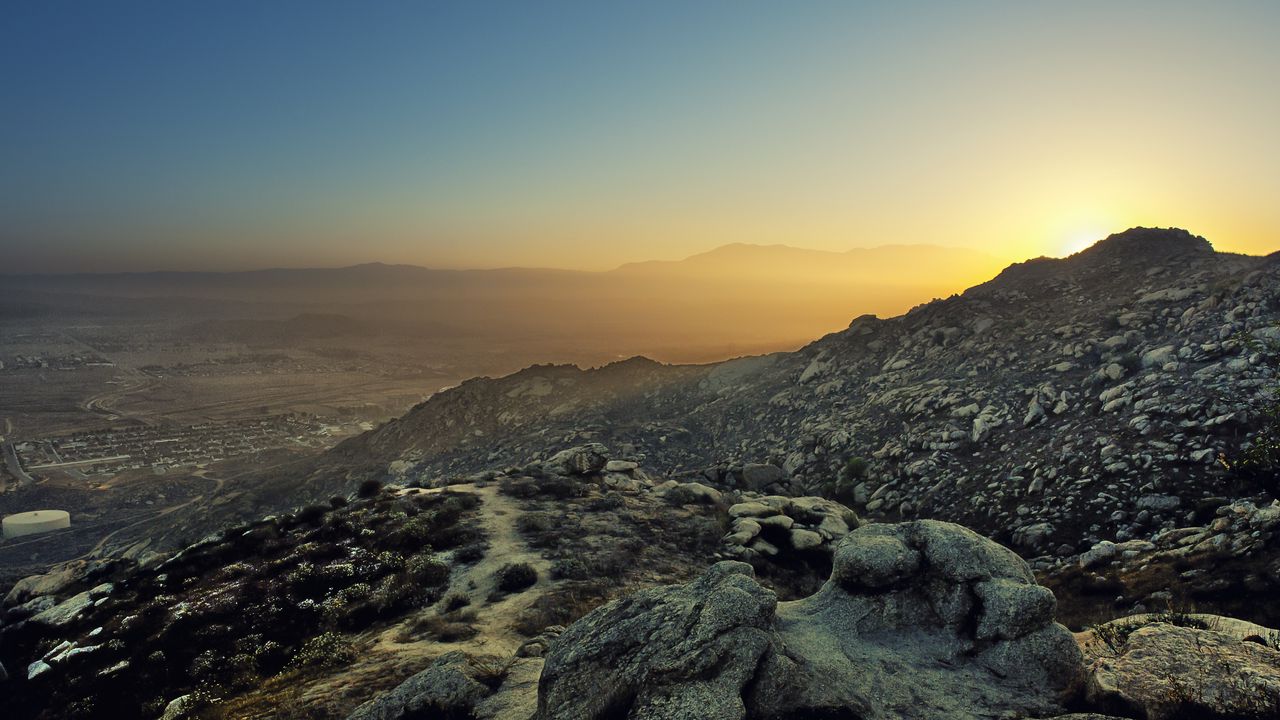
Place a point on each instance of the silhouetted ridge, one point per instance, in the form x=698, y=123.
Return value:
x=1148, y=243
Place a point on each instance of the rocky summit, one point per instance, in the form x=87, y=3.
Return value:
x=1050, y=496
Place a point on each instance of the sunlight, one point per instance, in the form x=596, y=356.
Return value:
x=1080, y=241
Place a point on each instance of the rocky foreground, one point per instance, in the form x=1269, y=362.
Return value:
x=585, y=587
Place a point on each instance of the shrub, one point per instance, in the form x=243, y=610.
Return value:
x=856, y=468
x=610, y=564
x=390, y=561
x=570, y=568
x=535, y=522
x=1116, y=634
x=369, y=488
x=473, y=552
x=490, y=671
x=270, y=657
x=312, y=515
x=428, y=570
x=412, y=535
x=449, y=627
x=561, y=606
x=325, y=650
x=611, y=501
x=514, y=577
x=454, y=601
x=518, y=487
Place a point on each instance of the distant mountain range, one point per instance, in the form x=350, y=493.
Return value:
x=906, y=264
x=744, y=296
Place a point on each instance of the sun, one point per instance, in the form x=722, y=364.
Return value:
x=1080, y=240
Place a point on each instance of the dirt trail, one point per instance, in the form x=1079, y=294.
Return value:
x=387, y=653
x=498, y=518
x=495, y=620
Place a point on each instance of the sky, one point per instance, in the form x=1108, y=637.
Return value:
x=234, y=135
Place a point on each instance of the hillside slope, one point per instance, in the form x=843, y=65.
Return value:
x=1063, y=398
x=1062, y=402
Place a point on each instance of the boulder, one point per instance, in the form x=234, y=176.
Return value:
x=691, y=494
x=180, y=707
x=756, y=476
x=517, y=697
x=64, y=612
x=805, y=539
x=1033, y=537
x=50, y=583
x=683, y=651
x=582, y=460
x=918, y=620
x=445, y=689
x=1165, y=672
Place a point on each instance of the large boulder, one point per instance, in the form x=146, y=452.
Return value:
x=682, y=651
x=918, y=620
x=50, y=583
x=446, y=689
x=1165, y=671
x=757, y=476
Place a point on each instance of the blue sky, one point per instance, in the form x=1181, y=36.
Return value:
x=145, y=135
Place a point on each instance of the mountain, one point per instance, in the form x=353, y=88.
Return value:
x=740, y=296
x=922, y=264
x=1063, y=402
x=778, y=530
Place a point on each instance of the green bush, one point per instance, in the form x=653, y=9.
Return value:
x=856, y=468
x=514, y=577
x=536, y=522
x=473, y=552
x=428, y=570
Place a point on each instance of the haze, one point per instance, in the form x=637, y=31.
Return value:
x=144, y=136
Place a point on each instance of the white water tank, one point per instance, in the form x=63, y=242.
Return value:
x=36, y=521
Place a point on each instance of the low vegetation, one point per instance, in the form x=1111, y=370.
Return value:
x=282, y=595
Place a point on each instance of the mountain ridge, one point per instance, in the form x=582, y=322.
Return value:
x=379, y=266
x=1096, y=344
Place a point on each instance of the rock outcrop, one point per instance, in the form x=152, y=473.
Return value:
x=1164, y=672
x=918, y=620
x=446, y=689
x=774, y=525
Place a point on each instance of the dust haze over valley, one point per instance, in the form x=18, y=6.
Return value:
x=728, y=301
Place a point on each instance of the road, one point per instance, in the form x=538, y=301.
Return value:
x=15, y=467
x=101, y=403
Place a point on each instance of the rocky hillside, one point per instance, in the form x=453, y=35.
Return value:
x=453, y=602
x=1062, y=403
